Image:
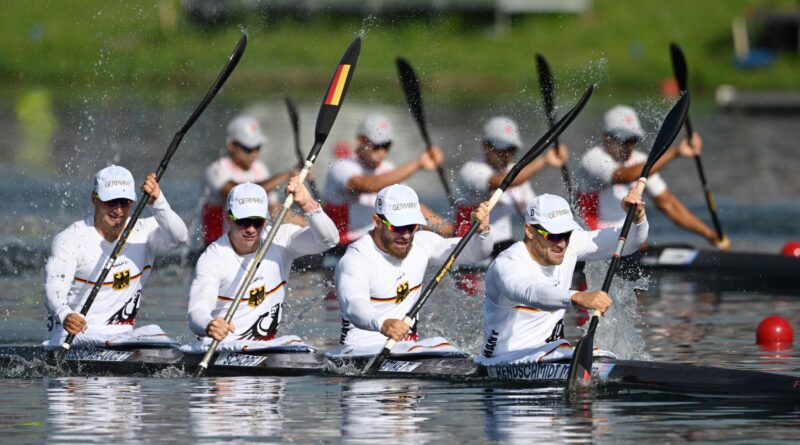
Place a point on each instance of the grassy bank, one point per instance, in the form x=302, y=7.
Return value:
x=93, y=45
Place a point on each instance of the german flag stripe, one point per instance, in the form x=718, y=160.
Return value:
x=381, y=300
x=527, y=309
x=334, y=95
x=109, y=283
x=266, y=294
x=418, y=347
x=384, y=300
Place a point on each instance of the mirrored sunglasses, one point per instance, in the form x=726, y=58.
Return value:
x=410, y=228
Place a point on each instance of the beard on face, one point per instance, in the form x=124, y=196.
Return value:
x=393, y=250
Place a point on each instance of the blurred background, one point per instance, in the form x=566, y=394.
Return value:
x=85, y=84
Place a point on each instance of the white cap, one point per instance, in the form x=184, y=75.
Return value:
x=246, y=131
x=114, y=182
x=400, y=205
x=552, y=213
x=248, y=200
x=622, y=123
x=376, y=128
x=502, y=133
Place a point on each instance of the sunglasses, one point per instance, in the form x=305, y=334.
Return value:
x=384, y=146
x=553, y=237
x=411, y=228
x=114, y=203
x=247, y=149
x=246, y=223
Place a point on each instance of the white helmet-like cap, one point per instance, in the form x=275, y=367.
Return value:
x=114, y=182
x=246, y=131
x=400, y=205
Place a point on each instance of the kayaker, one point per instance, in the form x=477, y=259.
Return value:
x=479, y=178
x=244, y=142
x=528, y=285
x=379, y=278
x=222, y=266
x=79, y=253
x=606, y=171
x=352, y=182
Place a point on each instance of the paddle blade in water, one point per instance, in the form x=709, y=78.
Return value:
x=580, y=371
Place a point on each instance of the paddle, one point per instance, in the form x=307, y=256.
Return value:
x=548, y=96
x=331, y=103
x=233, y=60
x=537, y=149
x=680, y=70
x=581, y=363
x=295, y=119
x=410, y=84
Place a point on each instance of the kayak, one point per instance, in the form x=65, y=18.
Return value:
x=609, y=373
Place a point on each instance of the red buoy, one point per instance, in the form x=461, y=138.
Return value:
x=792, y=248
x=774, y=329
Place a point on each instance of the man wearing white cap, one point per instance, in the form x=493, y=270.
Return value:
x=351, y=183
x=527, y=286
x=379, y=278
x=80, y=251
x=244, y=142
x=607, y=170
x=478, y=179
x=222, y=267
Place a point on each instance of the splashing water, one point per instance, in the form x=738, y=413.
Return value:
x=368, y=24
x=618, y=331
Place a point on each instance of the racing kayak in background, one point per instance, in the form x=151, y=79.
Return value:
x=714, y=270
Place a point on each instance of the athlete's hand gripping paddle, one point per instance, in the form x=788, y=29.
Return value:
x=331, y=103
x=538, y=148
x=580, y=372
x=233, y=60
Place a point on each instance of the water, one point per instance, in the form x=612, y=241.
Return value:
x=746, y=164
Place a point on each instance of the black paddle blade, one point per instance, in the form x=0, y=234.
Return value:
x=334, y=96
x=547, y=140
x=410, y=84
x=580, y=370
x=294, y=119
x=293, y=116
x=547, y=87
x=679, y=66
x=669, y=130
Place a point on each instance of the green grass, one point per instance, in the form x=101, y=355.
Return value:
x=92, y=45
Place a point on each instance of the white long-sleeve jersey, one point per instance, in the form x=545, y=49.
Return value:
x=373, y=286
x=526, y=301
x=220, y=271
x=78, y=256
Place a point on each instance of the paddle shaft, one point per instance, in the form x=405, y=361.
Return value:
x=548, y=95
x=681, y=72
x=582, y=355
x=233, y=60
x=534, y=151
x=202, y=367
x=426, y=293
x=410, y=83
x=331, y=103
x=712, y=206
x=294, y=117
